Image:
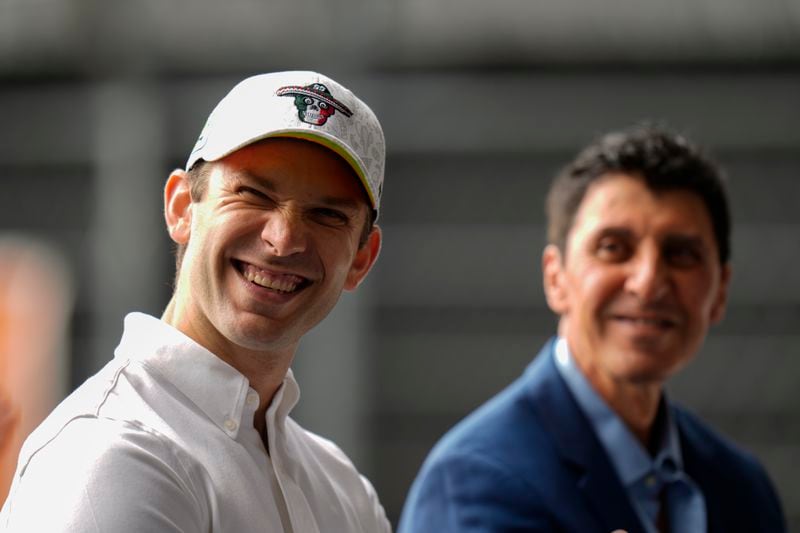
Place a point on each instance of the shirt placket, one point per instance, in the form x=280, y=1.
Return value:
x=299, y=511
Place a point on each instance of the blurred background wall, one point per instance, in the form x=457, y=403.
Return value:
x=481, y=103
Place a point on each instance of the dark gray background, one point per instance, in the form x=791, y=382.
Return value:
x=481, y=102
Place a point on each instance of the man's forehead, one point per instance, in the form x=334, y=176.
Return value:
x=245, y=156
x=625, y=202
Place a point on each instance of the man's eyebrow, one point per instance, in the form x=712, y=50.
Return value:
x=684, y=240
x=346, y=203
x=262, y=181
x=615, y=231
x=342, y=203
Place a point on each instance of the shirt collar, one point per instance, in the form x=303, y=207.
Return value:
x=217, y=388
x=630, y=459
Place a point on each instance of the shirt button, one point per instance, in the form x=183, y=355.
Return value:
x=252, y=399
x=230, y=425
x=650, y=481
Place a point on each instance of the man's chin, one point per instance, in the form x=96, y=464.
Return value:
x=255, y=333
x=647, y=366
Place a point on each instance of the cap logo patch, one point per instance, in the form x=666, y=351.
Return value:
x=314, y=103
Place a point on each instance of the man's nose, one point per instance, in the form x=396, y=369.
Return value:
x=284, y=232
x=648, y=277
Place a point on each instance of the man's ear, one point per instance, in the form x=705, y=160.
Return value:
x=178, y=206
x=721, y=299
x=364, y=259
x=555, y=290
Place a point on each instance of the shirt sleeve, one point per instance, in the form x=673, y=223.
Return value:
x=379, y=522
x=101, y=475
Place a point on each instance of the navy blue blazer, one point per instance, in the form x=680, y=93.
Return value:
x=529, y=460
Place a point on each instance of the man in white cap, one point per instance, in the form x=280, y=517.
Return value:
x=188, y=428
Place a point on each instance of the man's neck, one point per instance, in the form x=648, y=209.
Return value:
x=637, y=406
x=635, y=403
x=264, y=370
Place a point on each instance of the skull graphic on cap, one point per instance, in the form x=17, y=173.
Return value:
x=314, y=102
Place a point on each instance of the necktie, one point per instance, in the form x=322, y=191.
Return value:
x=682, y=504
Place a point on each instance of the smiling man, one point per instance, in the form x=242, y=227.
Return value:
x=188, y=428
x=637, y=268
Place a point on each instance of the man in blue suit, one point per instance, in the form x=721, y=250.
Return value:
x=586, y=440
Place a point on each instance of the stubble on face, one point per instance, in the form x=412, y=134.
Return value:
x=272, y=246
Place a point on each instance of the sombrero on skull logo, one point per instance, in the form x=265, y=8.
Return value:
x=314, y=102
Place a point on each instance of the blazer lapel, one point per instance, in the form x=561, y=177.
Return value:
x=579, y=447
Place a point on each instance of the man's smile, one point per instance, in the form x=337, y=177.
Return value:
x=280, y=282
x=650, y=321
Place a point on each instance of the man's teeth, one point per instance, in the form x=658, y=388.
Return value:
x=648, y=321
x=281, y=283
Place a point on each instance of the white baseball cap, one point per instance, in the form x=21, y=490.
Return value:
x=299, y=104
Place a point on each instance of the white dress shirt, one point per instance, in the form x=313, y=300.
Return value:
x=162, y=439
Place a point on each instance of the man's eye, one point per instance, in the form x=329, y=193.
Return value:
x=612, y=250
x=683, y=256
x=250, y=192
x=331, y=216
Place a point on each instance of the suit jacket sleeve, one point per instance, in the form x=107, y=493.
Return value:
x=472, y=494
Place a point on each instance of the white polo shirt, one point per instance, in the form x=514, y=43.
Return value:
x=162, y=439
